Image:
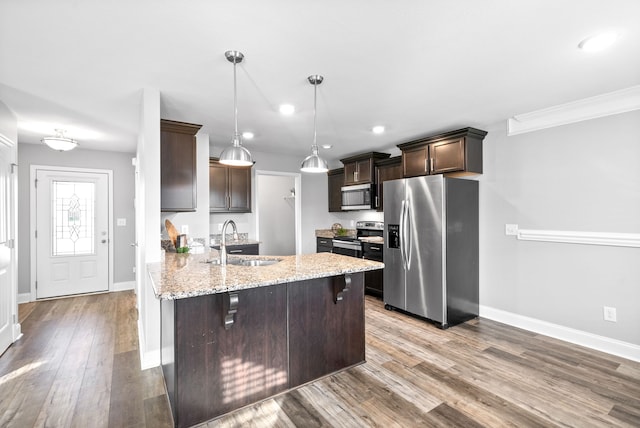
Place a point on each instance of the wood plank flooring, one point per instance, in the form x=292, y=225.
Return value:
x=78, y=366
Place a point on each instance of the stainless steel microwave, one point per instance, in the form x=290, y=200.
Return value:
x=357, y=197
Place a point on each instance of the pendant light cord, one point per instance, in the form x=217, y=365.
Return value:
x=314, y=148
x=235, y=100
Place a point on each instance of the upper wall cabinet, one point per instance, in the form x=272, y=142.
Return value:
x=360, y=169
x=458, y=152
x=178, y=166
x=386, y=169
x=229, y=188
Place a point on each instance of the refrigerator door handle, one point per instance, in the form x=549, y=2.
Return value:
x=407, y=234
x=402, y=256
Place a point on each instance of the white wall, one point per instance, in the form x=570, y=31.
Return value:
x=198, y=221
x=579, y=177
x=123, y=199
x=276, y=214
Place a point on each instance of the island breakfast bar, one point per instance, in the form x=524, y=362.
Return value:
x=237, y=334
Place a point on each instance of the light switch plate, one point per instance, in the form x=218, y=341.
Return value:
x=121, y=222
x=511, y=229
x=184, y=229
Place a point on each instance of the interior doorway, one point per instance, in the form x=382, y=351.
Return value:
x=278, y=213
x=8, y=286
x=71, y=221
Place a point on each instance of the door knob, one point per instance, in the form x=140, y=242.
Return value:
x=104, y=241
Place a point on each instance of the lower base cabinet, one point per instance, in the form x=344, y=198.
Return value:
x=224, y=351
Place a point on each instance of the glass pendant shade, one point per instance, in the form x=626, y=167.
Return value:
x=60, y=142
x=314, y=163
x=235, y=155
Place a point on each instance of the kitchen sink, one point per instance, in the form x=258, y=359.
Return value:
x=245, y=262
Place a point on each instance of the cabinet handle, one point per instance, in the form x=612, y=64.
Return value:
x=355, y=176
x=234, y=251
x=374, y=248
x=431, y=164
x=234, y=300
x=377, y=203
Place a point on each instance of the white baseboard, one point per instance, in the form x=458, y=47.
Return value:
x=148, y=359
x=24, y=297
x=589, y=340
x=123, y=286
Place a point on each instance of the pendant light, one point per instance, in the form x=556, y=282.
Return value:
x=235, y=154
x=60, y=142
x=313, y=162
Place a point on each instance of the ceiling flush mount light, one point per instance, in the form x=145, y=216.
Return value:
x=326, y=146
x=235, y=154
x=60, y=142
x=247, y=135
x=378, y=129
x=287, y=109
x=598, y=43
x=313, y=162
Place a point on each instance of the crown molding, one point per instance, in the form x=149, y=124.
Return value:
x=616, y=102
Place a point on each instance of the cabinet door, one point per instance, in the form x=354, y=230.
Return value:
x=218, y=189
x=335, y=180
x=364, y=171
x=386, y=173
x=325, y=335
x=324, y=245
x=447, y=156
x=414, y=162
x=240, y=189
x=218, y=369
x=350, y=173
x=177, y=172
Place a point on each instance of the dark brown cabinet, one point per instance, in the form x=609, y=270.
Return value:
x=335, y=179
x=458, y=152
x=211, y=368
x=229, y=188
x=223, y=351
x=326, y=335
x=385, y=170
x=359, y=169
x=324, y=245
x=178, y=180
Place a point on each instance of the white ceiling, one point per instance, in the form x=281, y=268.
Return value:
x=418, y=67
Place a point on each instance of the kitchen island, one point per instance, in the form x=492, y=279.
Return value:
x=234, y=335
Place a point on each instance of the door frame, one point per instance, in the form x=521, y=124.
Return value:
x=298, y=204
x=33, y=219
x=12, y=232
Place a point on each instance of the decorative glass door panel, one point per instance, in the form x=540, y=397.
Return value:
x=73, y=218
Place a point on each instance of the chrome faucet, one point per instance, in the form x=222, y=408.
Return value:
x=223, y=242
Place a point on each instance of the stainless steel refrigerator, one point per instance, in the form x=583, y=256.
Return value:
x=431, y=248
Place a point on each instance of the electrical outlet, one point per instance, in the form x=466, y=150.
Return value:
x=184, y=229
x=134, y=269
x=121, y=222
x=610, y=314
x=511, y=229
x=219, y=227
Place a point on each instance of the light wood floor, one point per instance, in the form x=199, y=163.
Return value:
x=78, y=365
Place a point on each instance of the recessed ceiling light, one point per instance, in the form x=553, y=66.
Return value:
x=287, y=109
x=378, y=129
x=326, y=146
x=598, y=42
x=247, y=135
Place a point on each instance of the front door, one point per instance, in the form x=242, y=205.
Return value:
x=72, y=232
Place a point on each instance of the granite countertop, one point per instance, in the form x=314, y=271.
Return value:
x=187, y=275
x=328, y=233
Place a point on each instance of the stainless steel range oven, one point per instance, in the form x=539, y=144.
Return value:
x=368, y=244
